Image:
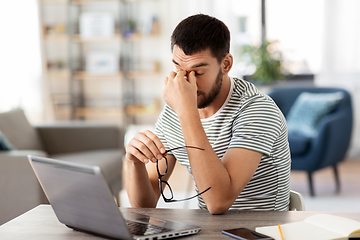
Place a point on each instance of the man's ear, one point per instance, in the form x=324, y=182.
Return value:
x=227, y=63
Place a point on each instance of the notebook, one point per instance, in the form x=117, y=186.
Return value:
x=82, y=200
x=316, y=227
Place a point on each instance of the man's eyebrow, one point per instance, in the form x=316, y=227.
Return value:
x=200, y=65
x=194, y=66
x=175, y=62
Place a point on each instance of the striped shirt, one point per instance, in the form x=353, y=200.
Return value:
x=251, y=120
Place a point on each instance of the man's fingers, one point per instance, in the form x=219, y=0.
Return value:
x=140, y=151
x=145, y=146
x=172, y=75
x=160, y=149
x=181, y=74
x=192, y=78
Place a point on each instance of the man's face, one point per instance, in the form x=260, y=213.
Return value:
x=207, y=72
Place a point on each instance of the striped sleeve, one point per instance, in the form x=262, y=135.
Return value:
x=257, y=126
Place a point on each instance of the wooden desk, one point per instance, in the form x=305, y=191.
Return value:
x=41, y=223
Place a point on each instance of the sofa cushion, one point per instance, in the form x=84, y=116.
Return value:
x=308, y=109
x=110, y=162
x=299, y=144
x=5, y=145
x=15, y=126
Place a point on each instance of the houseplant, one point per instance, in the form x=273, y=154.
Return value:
x=268, y=62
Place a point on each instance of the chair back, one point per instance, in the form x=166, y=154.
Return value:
x=336, y=140
x=296, y=201
x=285, y=97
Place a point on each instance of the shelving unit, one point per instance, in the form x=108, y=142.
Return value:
x=81, y=93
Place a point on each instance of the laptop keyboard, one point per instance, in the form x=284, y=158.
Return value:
x=143, y=229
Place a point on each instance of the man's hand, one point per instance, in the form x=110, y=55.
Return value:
x=145, y=147
x=142, y=183
x=180, y=91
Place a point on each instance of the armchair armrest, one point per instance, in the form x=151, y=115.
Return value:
x=328, y=147
x=77, y=137
x=336, y=133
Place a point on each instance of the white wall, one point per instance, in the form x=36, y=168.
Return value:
x=20, y=58
x=341, y=56
x=298, y=25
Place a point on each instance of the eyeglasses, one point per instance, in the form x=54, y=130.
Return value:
x=169, y=196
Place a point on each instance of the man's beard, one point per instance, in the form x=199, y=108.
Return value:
x=208, y=99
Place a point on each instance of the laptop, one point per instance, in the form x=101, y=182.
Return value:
x=82, y=200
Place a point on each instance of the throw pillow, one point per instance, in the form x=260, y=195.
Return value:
x=308, y=109
x=5, y=145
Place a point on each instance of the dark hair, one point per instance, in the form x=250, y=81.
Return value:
x=201, y=32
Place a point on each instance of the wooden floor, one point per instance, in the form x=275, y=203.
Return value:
x=324, y=180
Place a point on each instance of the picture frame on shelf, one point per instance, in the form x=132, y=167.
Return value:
x=96, y=24
x=102, y=62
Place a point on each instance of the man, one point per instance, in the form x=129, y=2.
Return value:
x=239, y=155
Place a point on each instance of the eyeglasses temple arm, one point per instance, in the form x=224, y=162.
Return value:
x=185, y=199
x=183, y=147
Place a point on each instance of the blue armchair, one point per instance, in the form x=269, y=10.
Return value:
x=333, y=132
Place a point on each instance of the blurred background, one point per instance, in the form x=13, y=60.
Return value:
x=105, y=60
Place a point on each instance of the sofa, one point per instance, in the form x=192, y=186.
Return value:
x=89, y=143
